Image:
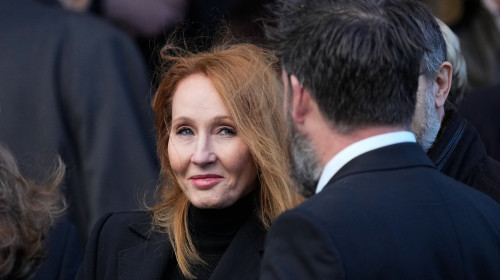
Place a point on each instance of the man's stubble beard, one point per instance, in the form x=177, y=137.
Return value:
x=426, y=130
x=305, y=167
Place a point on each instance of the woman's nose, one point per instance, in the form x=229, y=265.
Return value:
x=203, y=153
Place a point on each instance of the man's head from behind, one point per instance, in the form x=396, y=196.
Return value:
x=358, y=60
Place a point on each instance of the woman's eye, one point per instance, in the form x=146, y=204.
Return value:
x=184, y=131
x=226, y=131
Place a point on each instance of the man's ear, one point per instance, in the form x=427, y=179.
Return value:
x=443, y=81
x=300, y=100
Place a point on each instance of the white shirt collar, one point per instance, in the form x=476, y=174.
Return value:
x=358, y=148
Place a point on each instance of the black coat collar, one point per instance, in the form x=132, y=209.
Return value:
x=458, y=149
x=148, y=258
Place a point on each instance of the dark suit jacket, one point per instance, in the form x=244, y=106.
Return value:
x=387, y=214
x=72, y=85
x=123, y=246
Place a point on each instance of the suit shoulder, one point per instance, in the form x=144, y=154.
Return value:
x=299, y=243
x=489, y=191
x=316, y=212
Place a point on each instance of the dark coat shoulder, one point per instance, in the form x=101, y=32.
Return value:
x=125, y=246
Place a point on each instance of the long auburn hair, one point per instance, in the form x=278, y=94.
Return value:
x=245, y=76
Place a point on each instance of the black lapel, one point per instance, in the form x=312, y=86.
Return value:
x=243, y=256
x=148, y=258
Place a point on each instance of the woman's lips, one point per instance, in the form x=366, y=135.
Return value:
x=205, y=181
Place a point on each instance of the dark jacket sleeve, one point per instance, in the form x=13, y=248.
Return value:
x=298, y=248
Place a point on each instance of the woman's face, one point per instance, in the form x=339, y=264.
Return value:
x=211, y=162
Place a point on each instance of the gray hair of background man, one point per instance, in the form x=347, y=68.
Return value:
x=457, y=60
x=359, y=59
x=436, y=43
x=426, y=123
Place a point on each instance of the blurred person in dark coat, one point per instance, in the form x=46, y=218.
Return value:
x=151, y=22
x=479, y=33
x=74, y=86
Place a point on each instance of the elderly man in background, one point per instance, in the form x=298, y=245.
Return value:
x=450, y=140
